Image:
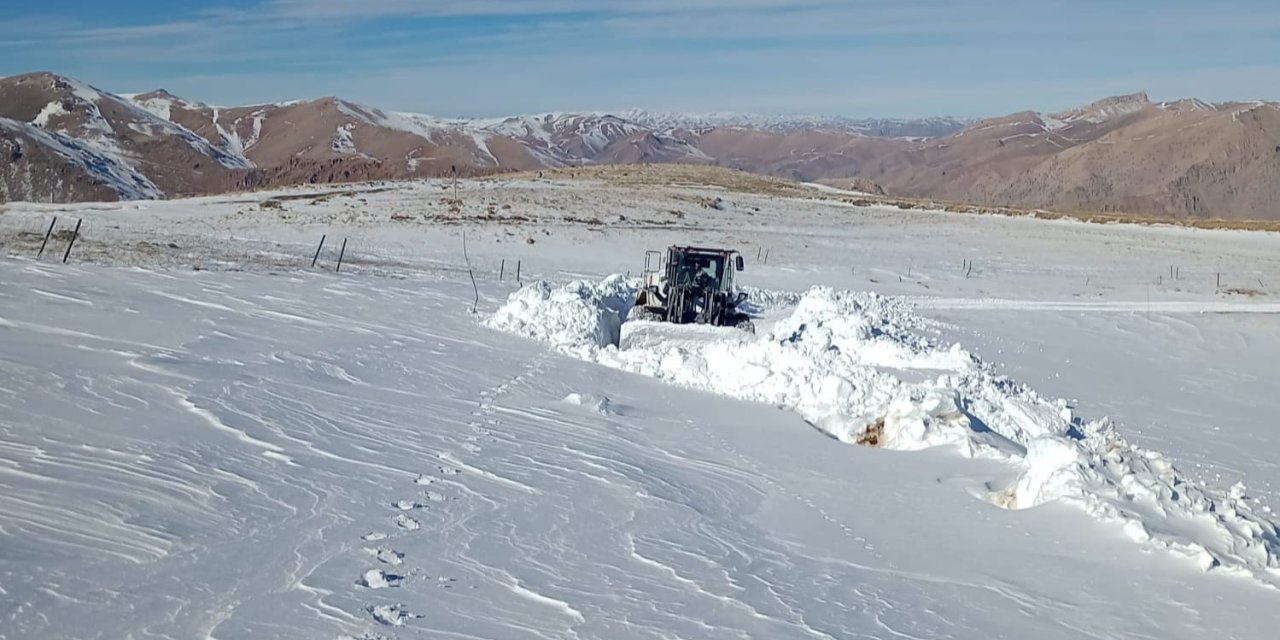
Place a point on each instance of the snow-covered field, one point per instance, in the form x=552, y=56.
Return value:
x=201, y=436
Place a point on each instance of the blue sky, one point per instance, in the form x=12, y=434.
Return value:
x=493, y=57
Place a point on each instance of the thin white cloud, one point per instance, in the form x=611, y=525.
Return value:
x=441, y=8
x=848, y=56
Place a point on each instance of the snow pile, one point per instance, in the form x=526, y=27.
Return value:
x=766, y=300
x=577, y=319
x=856, y=366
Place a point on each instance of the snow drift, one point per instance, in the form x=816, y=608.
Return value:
x=857, y=367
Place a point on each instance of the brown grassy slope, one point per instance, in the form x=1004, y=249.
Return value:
x=1187, y=164
x=647, y=175
x=650, y=175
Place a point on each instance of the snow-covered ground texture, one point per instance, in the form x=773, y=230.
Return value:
x=843, y=361
x=202, y=436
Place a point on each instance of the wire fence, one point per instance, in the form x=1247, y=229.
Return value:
x=118, y=243
x=81, y=240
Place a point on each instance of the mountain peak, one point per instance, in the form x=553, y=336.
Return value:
x=1107, y=108
x=1139, y=97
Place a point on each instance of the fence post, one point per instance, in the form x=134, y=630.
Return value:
x=766, y=256
x=341, y=252
x=317, y=256
x=476, y=304
x=502, y=269
x=517, y=272
x=46, y=237
x=74, y=234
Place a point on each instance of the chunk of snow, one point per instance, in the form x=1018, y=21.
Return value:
x=379, y=579
x=575, y=318
x=597, y=403
x=393, y=615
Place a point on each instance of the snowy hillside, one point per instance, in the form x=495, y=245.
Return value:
x=553, y=139
x=202, y=436
x=107, y=169
x=105, y=132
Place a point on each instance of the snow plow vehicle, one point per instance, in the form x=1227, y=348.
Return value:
x=692, y=285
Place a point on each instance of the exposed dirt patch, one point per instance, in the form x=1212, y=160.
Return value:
x=873, y=435
x=673, y=175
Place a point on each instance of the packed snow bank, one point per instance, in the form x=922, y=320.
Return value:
x=856, y=366
x=577, y=319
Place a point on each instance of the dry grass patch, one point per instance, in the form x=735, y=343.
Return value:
x=1094, y=217
x=688, y=175
x=677, y=175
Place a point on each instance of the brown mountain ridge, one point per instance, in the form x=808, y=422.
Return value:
x=63, y=140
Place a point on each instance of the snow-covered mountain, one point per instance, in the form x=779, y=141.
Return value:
x=918, y=128
x=1124, y=153
x=48, y=165
x=567, y=139
x=105, y=140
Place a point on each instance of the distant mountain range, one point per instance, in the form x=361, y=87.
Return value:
x=63, y=140
x=910, y=129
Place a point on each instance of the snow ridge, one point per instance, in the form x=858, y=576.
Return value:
x=837, y=360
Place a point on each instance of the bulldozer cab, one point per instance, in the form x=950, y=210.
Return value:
x=704, y=271
x=707, y=269
x=692, y=284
